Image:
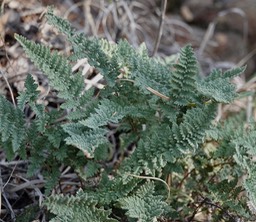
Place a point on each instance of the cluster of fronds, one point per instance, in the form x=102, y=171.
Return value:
x=167, y=112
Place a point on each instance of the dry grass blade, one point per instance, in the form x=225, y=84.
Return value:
x=161, y=24
x=158, y=93
x=244, y=60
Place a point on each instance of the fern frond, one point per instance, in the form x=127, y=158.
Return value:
x=244, y=156
x=62, y=24
x=183, y=79
x=245, y=150
x=218, y=86
x=79, y=208
x=107, y=111
x=51, y=176
x=96, y=51
x=149, y=153
x=12, y=124
x=85, y=140
x=109, y=191
x=225, y=193
x=144, y=205
x=227, y=75
x=192, y=131
x=55, y=67
x=92, y=49
x=30, y=94
x=145, y=71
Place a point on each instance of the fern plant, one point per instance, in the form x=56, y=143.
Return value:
x=166, y=110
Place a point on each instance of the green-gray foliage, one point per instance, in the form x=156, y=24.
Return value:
x=168, y=111
x=245, y=157
x=79, y=208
